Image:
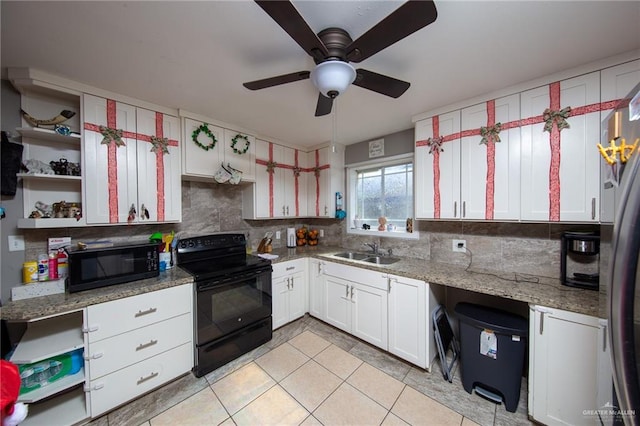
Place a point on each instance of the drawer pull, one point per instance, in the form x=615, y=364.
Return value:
x=142, y=346
x=97, y=355
x=97, y=386
x=290, y=268
x=147, y=312
x=90, y=329
x=149, y=377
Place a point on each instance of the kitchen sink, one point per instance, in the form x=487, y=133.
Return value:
x=380, y=260
x=352, y=255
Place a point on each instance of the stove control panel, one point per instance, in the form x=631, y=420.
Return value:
x=211, y=242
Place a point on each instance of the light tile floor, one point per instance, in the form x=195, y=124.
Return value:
x=313, y=374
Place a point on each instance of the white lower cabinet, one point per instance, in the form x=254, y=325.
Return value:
x=355, y=307
x=410, y=332
x=136, y=344
x=317, y=288
x=289, y=291
x=563, y=362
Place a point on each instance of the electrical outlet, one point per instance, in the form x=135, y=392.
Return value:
x=16, y=243
x=459, y=245
x=321, y=233
x=277, y=235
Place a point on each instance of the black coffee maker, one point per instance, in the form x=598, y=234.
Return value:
x=579, y=260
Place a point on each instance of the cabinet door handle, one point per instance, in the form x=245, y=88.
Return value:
x=347, y=294
x=147, y=312
x=351, y=292
x=142, y=346
x=541, y=322
x=149, y=377
x=90, y=329
x=593, y=208
x=290, y=268
x=326, y=210
x=455, y=209
x=287, y=210
x=282, y=210
x=604, y=338
x=464, y=209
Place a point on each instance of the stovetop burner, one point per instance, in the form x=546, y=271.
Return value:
x=216, y=255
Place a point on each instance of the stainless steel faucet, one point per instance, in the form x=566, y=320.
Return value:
x=374, y=247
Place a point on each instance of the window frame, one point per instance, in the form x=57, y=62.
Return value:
x=351, y=178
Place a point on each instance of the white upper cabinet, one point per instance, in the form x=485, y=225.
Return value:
x=560, y=167
x=207, y=147
x=437, y=167
x=202, y=150
x=490, y=156
x=615, y=84
x=325, y=178
x=132, y=162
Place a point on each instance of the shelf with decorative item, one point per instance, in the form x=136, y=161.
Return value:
x=49, y=135
x=48, y=177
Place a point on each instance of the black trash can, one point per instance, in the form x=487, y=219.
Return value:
x=492, y=352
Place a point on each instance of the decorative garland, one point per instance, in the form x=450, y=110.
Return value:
x=159, y=144
x=234, y=141
x=111, y=135
x=204, y=129
x=490, y=134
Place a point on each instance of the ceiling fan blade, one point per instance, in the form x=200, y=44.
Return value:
x=405, y=20
x=380, y=83
x=324, y=105
x=276, y=81
x=287, y=16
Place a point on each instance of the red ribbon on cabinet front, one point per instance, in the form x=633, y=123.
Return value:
x=491, y=162
x=435, y=122
x=112, y=160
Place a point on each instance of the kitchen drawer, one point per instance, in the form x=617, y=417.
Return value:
x=124, y=385
x=289, y=267
x=114, y=353
x=358, y=275
x=112, y=318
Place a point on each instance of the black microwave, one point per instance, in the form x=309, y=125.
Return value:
x=101, y=267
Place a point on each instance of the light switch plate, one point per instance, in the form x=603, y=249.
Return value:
x=16, y=242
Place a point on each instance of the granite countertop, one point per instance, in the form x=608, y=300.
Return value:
x=37, y=307
x=547, y=291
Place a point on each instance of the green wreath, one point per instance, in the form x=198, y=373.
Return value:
x=204, y=129
x=234, y=141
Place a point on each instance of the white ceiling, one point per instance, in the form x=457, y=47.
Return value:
x=196, y=55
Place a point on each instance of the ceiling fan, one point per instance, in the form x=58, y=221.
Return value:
x=332, y=49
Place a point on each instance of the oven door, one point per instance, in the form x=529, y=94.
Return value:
x=230, y=303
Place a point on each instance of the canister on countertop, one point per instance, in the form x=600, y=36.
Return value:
x=53, y=265
x=43, y=267
x=63, y=264
x=30, y=272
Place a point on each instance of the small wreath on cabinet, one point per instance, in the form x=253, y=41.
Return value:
x=234, y=142
x=204, y=128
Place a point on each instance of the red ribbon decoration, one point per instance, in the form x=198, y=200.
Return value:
x=554, y=177
x=491, y=163
x=112, y=160
x=296, y=182
x=554, y=167
x=435, y=122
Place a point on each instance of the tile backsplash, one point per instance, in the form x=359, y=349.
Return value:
x=207, y=208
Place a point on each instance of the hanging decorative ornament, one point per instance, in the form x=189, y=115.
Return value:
x=559, y=117
x=490, y=134
x=623, y=150
x=159, y=144
x=435, y=144
x=203, y=128
x=111, y=135
x=271, y=166
x=234, y=142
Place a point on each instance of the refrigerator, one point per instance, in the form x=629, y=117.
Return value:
x=623, y=303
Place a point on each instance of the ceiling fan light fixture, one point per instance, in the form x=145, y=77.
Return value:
x=333, y=77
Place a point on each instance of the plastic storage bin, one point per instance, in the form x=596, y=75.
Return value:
x=492, y=349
